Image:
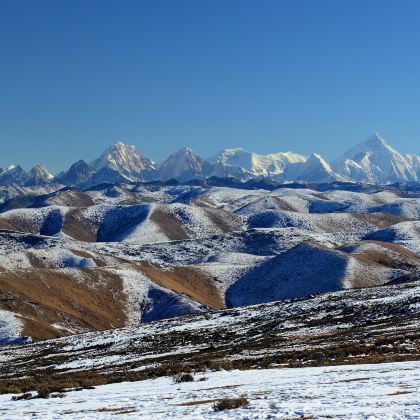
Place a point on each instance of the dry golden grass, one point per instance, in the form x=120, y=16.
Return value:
x=116, y=410
x=397, y=248
x=72, y=198
x=78, y=227
x=379, y=219
x=402, y=392
x=16, y=223
x=5, y=224
x=168, y=224
x=224, y=220
x=230, y=404
x=190, y=281
x=198, y=402
x=94, y=301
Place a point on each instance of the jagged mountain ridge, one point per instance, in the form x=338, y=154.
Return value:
x=39, y=175
x=373, y=161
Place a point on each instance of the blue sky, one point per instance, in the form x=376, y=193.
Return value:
x=302, y=75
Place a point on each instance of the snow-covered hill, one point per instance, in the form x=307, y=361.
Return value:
x=305, y=269
x=184, y=248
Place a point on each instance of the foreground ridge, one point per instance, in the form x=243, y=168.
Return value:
x=355, y=326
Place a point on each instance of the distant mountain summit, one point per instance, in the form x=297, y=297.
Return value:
x=78, y=173
x=12, y=174
x=39, y=175
x=182, y=165
x=375, y=161
x=124, y=159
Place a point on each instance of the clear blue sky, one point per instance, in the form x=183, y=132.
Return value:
x=306, y=75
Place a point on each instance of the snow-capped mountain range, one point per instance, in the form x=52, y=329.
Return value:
x=373, y=161
x=39, y=175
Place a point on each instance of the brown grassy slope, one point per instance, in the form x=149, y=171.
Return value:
x=6, y=224
x=71, y=199
x=17, y=224
x=356, y=328
x=192, y=282
x=398, y=257
x=88, y=299
x=92, y=301
x=40, y=260
x=282, y=204
x=224, y=220
x=380, y=219
x=168, y=224
x=174, y=230
x=78, y=227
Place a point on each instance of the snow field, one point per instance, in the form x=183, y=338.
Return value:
x=381, y=391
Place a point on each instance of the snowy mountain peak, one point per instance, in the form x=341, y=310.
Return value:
x=78, y=173
x=121, y=149
x=125, y=159
x=185, y=151
x=42, y=171
x=9, y=167
x=376, y=139
x=318, y=158
x=39, y=175
x=13, y=174
x=376, y=142
x=183, y=165
x=227, y=156
x=375, y=161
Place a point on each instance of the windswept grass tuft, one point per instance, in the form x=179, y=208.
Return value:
x=230, y=404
